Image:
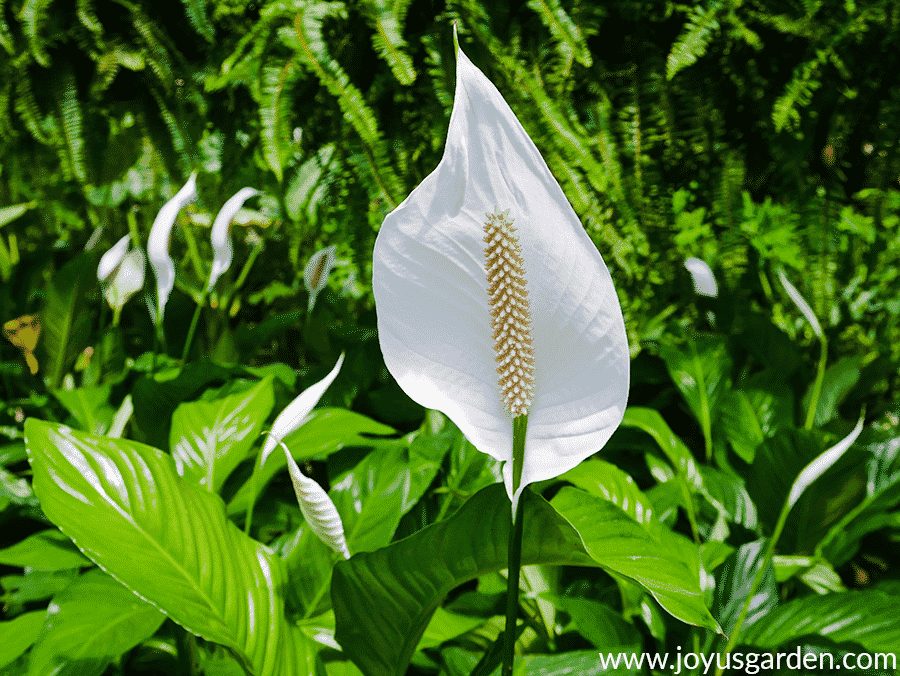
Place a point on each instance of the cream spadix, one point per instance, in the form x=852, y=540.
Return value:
x=493, y=301
x=158, y=243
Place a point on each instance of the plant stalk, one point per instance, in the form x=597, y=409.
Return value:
x=757, y=580
x=817, y=385
x=514, y=554
x=194, y=320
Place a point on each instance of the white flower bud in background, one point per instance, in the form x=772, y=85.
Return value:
x=704, y=281
x=158, y=243
x=221, y=240
x=315, y=276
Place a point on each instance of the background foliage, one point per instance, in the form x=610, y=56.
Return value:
x=755, y=135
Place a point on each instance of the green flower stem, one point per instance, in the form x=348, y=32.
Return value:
x=817, y=386
x=196, y=318
x=520, y=425
x=193, y=251
x=757, y=580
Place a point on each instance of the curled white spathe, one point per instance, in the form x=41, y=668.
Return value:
x=432, y=304
x=704, y=280
x=318, y=510
x=112, y=258
x=223, y=251
x=801, y=303
x=158, y=243
x=317, y=271
x=296, y=412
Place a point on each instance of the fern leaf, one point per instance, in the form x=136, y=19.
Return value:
x=69, y=113
x=156, y=56
x=196, y=13
x=306, y=40
x=275, y=113
x=88, y=18
x=568, y=36
x=797, y=93
x=33, y=16
x=42, y=128
x=6, y=38
x=388, y=39
x=694, y=40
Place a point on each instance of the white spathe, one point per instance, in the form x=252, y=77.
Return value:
x=317, y=271
x=223, y=251
x=112, y=258
x=158, y=243
x=318, y=510
x=432, y=303
x=801, y=303
x=704, y=280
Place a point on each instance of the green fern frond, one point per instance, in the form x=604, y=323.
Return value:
x=6, y=96
x=442, y=83
x=568, y=36
x=243, y=65
x=275, y=112
x=797, y=93
x=306, y=40
x=387, y=22
x=70, y=120
x=156, y=55
x=41, y=127
x=88, y=18
x=33, y=16
x=694, y=39
x=6, y=38
x=196, y=13
x=176, y=133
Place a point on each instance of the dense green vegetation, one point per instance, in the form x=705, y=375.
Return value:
x=761, y=137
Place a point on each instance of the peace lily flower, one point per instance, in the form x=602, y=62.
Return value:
x=158, y=243
x=122, y=274
x=315, y=275
x=318, y=510
x=492, y=300
x=704, y=281
x=221, y=242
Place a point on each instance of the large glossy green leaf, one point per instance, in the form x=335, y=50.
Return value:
x=755, y=413
x=877, y=509
x=733, y=584
x=606, y=481
x=89, y=406
x=156, y=396
x=65, y=321
x=728, y=494
x=210, y=438
x=93, y=621
x=700, y=370
x=45, y=550
x=166, y=539
x=326, y=431
x=17, y=635
x=868, y=618
x=839, y=380
x=384, y=599
x=600, y=624
x=662, y=562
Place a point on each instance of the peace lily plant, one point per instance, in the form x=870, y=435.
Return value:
x=495, y=307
